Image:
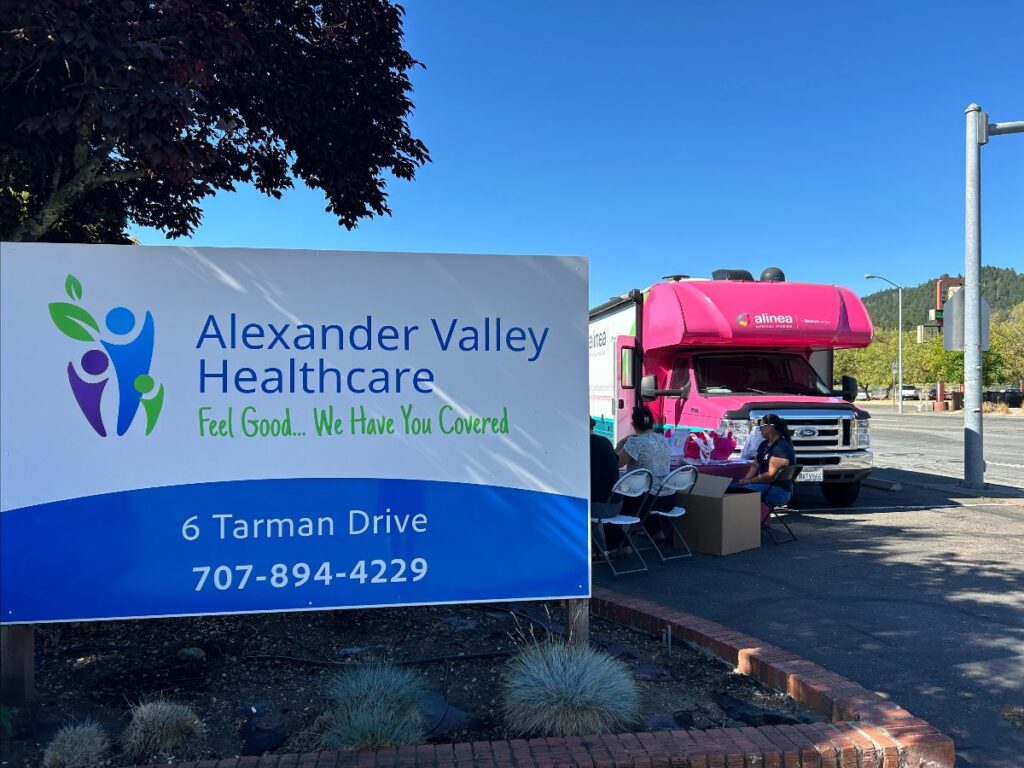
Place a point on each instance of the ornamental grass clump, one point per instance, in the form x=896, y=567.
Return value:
x=553, y=689
x=83, y=745
x=160, y=729
x=375, y=705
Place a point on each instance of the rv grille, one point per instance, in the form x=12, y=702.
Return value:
x=815, y=434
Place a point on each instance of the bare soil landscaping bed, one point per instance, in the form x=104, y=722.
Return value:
x=259, y=683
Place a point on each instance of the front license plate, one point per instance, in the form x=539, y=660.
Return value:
x=809, y=475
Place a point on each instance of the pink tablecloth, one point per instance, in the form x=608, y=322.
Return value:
x=733, y=469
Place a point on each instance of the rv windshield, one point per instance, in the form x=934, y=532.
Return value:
x=758, y=373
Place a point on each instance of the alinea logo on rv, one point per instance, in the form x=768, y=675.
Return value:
x=765, y=319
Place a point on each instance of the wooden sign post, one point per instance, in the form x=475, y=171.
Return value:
x=17, y=664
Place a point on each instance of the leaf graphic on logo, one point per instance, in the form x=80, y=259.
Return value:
x=73, y=288
x=70, y=319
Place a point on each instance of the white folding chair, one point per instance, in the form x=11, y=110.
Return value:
x=632, y=484
x=676, y=482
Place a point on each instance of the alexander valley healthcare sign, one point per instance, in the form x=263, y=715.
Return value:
x=190, y=431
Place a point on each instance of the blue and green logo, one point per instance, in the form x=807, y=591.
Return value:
x=121, y=350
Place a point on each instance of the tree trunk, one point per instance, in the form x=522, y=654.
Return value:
x=34, y=227
x=87, y=177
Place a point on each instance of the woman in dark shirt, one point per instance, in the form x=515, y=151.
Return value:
x=773, y=454
x=604, y=466
x=604, y=472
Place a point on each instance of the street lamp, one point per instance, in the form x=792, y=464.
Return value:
x=899, y=338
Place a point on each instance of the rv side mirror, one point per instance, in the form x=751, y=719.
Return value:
x=849, y=389
x=649, y=388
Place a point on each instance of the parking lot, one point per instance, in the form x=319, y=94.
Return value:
x=915, y=593
x=933, y=443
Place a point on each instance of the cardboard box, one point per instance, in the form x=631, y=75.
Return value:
x=720, y=522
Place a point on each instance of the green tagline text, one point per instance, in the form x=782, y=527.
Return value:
x=352, y=420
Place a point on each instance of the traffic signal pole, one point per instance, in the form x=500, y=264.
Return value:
x=978, y=132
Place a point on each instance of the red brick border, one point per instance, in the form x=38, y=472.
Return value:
x=864, y=729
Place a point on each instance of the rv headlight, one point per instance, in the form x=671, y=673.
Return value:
x=863, y=433
x=740, y=429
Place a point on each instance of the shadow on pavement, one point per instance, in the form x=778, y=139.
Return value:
x=946, y=484
x=921, y=605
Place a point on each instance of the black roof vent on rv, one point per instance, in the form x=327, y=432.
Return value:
x=773, y=275
x=676, y=278
x=731, y=274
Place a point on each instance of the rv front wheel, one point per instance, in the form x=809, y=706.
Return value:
x=840, y=494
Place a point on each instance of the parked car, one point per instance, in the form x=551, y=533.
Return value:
x=910, y=392
x=862, y=395
x=1012, y=396
x=933, y=394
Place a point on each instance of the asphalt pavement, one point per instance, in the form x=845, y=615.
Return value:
x=933, y=443
x=917, y=594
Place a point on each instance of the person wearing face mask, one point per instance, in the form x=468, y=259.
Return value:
x=774, y=453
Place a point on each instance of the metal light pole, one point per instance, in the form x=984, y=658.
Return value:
x=978, y=131
x=899, y=338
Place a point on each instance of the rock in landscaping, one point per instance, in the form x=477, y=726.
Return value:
x=752, y=715
x=786, y=718
x=257, y=738
x=745, y=714
x=192, y=654
x=683, y=719
x=432, y=709
x=258, y=734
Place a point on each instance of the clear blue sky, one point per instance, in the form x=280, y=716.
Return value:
x=679, y=137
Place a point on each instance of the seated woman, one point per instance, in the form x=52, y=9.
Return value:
x=646, y=449
x=773, y=454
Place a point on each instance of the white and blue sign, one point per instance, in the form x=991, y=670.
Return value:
x=197, y=431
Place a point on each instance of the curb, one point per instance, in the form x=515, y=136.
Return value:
x=952, y=489
x=864, y=730
x=885, y=485
x=955, y=491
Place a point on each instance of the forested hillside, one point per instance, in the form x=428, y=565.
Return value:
x=1001, y=287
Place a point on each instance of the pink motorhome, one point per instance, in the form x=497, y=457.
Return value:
x=720, y=353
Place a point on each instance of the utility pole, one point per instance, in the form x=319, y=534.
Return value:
x=978, y=132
